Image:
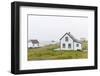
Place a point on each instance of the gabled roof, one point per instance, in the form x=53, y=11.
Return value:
x=72, y=37
x=34, y=41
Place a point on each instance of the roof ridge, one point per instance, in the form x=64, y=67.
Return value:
x=73, y=38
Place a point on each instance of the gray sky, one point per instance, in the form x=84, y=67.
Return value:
x=49, y=28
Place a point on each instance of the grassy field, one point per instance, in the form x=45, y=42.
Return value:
x=48, y=53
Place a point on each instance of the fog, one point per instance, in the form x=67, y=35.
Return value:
x=48, y=28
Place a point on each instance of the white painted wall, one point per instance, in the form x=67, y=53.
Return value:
x=75, y=47
x=35, y=45
x=30, y=44
x=70, y=41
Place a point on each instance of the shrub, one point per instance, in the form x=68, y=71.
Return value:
x=79, y=50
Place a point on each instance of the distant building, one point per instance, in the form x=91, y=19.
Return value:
x=33, y=43
x=69, y=42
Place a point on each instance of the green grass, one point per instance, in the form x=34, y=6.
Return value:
x=48, y=53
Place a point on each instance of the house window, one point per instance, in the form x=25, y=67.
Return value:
x=77, y=45
x=66, y=38
x=63, y=45
x=69, y=45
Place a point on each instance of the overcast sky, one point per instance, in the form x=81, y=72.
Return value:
x=47, y=28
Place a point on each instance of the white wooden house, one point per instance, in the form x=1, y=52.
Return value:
x=33, y=43
x=69, y=42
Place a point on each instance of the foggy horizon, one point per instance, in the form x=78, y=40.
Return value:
x=48, y=28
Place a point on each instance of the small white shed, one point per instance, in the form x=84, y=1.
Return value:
x=33, y=43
